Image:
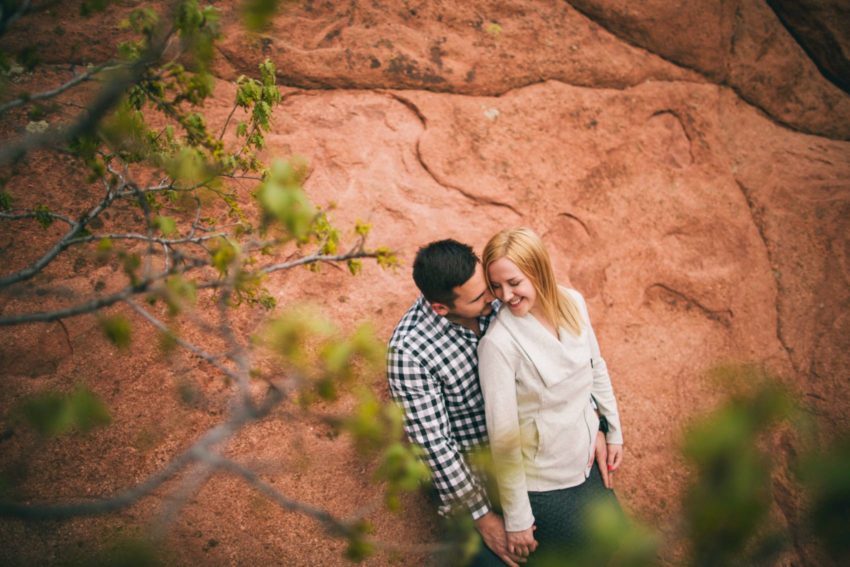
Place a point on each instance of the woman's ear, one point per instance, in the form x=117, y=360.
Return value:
x=440, y=309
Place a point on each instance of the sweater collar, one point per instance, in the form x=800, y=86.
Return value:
x=554, y=359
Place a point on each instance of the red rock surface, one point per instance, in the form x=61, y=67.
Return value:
x=658, y=147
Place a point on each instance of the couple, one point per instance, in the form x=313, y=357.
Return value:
x=525, y=373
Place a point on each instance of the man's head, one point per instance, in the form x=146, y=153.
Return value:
x=450, y=277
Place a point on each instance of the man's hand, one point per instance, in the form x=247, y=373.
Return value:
x=602, y=460
x=491, y=526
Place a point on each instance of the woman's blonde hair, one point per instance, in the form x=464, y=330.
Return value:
x=525, y=249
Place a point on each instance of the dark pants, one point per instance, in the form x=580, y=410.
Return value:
x=560, y=517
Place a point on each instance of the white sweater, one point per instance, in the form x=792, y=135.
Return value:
x=537, y=398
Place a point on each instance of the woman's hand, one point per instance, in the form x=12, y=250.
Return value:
x=522, y=543
x=615, y=457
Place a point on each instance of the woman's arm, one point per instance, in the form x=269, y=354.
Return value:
x=498, y=384
x=602, y=390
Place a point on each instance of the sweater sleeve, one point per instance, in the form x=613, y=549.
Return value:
x=602, y=390
x=498, y=385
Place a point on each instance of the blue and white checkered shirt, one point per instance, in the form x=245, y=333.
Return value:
x=432, y=367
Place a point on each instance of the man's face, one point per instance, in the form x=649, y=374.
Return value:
x=472, y=299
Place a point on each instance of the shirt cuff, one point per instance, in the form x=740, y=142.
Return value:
x=479, y=507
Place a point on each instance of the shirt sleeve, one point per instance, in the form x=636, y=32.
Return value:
x=603, y=391
x=426, y=423
x=500, y=405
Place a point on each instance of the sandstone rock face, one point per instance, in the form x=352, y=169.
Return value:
x=739, y=44
x=823, y=30
x=685, y=162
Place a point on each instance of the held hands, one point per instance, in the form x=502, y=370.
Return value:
x=522, y=543
x=491, y=526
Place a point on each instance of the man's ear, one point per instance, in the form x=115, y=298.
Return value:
x=440, y=309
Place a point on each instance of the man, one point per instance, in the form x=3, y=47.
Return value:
x=432, y=369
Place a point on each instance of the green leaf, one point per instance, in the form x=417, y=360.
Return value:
x=355, y=266
x=178, y=291
x=188, y=166
x=104, y=245
x=167, y=225
x=55, y=413
x=362, y=228
x=89, y=7
x=493, y=29
x=5, y=201
x=283, y=199
x=117, y=330
x=386, y=258
x=48, y=413
x=88, y=410
x=258, y=13
x=42, y=215
x=359, y=548
x=167, y=341
x=130, y=263
x=224, y=255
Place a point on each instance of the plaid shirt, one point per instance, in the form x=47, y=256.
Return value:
x=432, y=368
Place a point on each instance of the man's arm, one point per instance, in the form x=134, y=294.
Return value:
x=426, y=423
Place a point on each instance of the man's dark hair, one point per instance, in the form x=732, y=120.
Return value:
x=442, y=266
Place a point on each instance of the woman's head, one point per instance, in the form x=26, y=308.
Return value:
x=520, y=274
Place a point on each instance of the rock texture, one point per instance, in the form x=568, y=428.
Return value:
x=686, y=163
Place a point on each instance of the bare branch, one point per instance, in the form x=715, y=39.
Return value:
x=109, y=96
x=226, y=122
x=6, y=22
x=92, y=508
x=32, y=215
x=82, y=308
x=60, y=89
x=145, y=238
x=61, y=245
x=236, y=352
x=196, y=350
x=199, y=450
x=334, y=525
x=190, y=486
x=317, y=257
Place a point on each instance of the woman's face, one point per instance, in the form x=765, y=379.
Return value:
x=511, y=286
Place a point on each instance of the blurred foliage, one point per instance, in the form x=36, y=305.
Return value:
x=54, y=413
x=312, y=348
x=258, y=13
x=121, y=551
x=826, y=476
x=726, y=508
x=117, y=330
x=612, y=539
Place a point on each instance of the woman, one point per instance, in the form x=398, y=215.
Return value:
x=539, y=367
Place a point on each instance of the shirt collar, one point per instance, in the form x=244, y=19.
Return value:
x=443, y=325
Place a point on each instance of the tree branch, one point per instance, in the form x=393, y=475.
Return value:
x=318, y=257
x=199, y=450
x=6, y=22
x=196, y=350
x=109, y=96
x=58, y=90
x=334, y=525
x=61, y=245
x=32, y=215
